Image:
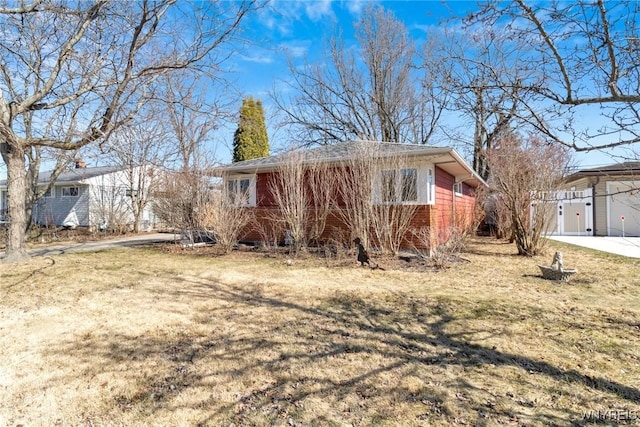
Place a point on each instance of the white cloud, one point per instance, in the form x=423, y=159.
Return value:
x=259, y=59
x=318, y=10
x=355, y=6
x=297, y=48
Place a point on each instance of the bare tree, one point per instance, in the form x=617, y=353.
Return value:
x=480, y=77
x=372, y=92
x=579, y=59
x=525, y=171
x=140, y=148
x=86, y=68
x=192, y=115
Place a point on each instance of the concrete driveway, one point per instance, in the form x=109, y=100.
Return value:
x=625, y=246
x=100, y=245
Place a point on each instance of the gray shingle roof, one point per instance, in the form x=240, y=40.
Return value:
x=625, y=168
x=71, y=176
x=337, y=152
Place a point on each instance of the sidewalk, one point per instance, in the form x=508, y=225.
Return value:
x=625, y=246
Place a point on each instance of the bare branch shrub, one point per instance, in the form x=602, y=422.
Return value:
x=396, y=204
x=322, y=185
x=271, y=230
x=291, y=198
x=110, y=212
x=180, y=200
x=355, y=189
x=442, y=247
x=379, y=195
x=522, y=168
x=225, y=220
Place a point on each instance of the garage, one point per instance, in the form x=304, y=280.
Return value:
x=623, y=208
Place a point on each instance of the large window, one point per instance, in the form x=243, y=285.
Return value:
x=399, y=186
x=240, y=191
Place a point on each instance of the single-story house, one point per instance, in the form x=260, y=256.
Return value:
x=435, y=181
x=601, y=201
x=87, y=196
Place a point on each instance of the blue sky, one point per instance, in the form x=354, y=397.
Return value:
x=296, y=29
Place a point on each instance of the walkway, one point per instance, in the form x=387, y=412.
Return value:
x=100, y=245
x=625, y=246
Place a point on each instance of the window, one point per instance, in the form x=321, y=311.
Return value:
x=131, y=193
x=240, y=191
x=457, y=188
x=399, y=186
x=431, y=187
x=409, y=185
x=389, y=186
x=48, y=193
x=70, y=191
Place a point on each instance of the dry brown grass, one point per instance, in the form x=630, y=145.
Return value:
x=144, y=337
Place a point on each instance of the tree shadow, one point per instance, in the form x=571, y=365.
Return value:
x=326, y=334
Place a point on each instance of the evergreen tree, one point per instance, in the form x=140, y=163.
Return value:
x=250, y=140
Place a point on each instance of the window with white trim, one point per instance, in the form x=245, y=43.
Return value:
x=70, y=191
x=431, y=186
x=457, y=189
x=409, y=185
x=241, y=191
x=399, y=186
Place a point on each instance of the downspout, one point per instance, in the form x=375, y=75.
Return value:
x=453, y=203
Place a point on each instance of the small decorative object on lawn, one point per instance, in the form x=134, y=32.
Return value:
x=557, y=271
x=363, y=255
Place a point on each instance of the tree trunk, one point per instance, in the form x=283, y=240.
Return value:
x=137, y=215
x=16, y=191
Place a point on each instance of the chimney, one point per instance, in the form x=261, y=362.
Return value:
x=80, y=164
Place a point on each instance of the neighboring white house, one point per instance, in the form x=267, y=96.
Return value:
x=98, y=196
x=602, y=201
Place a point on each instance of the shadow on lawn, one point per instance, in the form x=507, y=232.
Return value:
x=326, y=334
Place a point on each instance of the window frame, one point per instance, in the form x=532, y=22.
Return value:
x=396, y=194
x=239, y=199
x=458, y=190
x=413, y=185
x=69, y=188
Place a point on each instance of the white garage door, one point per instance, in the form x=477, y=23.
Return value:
x=623, y=208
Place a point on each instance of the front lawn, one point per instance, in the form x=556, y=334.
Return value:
x=146, y=336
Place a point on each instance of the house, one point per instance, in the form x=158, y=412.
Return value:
x=601, y=201
x=435, y=182
x=88, y=196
